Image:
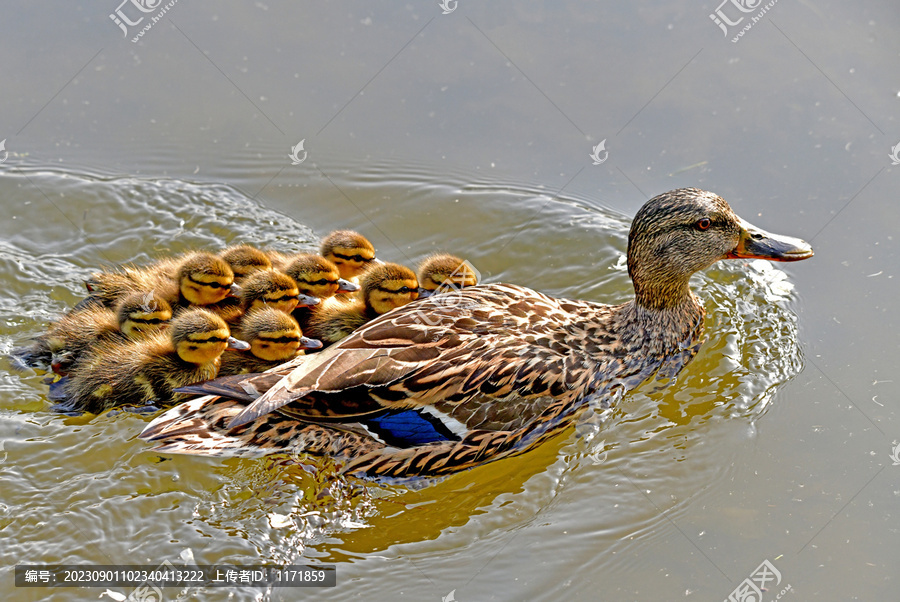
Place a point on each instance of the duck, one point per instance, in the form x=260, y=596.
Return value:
x=200, y=279
x=442, y=272
x=427, y=390
x=384, y=287
x=267, y=288
x=136, y=316
x=319, y=278
x=350, y=251
x=139, y=372
x=245, y=260
x=274, y=338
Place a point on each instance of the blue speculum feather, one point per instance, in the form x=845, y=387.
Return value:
x=409, y=428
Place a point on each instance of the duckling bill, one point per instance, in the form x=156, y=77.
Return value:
x=428, y=389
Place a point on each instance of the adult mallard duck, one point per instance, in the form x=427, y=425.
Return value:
x=115, y=373
x=444, y=273
x=430, y=389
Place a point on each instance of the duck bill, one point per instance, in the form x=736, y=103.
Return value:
x=759, y=244
x=424, y=293
x=307, y=301
x=345, y=286
x=308, y=343
x=237, y=344
x=234, y=290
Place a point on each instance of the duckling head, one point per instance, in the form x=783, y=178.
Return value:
x=350, y=251
x=274, y=336
x=387, y=286
x=684, y=231
x=140, y=314
x=200, y=336
x=245, y=260
x=270, y=288
x=318, y=277
x=442, y=272
x=204, y=279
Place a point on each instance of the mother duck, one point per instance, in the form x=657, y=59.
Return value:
x=482, y=373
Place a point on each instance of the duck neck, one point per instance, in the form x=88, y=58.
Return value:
x=662, y=329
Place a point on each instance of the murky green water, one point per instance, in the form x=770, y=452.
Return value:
x=470, y=132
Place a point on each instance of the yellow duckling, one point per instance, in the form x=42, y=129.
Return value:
x=268, y=288
x=443, y=273
x=385, y=286
x=139, y=372
x=200, y=279
x=350, y=251
x=137, y=315
x=245, y=260
x=319, y=278
x=274, y=338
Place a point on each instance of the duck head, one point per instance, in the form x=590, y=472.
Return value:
x=387, y=286
x=442, y=272
x=270, y=288
x=200, y=336
x=350, y=251
x=204, y=279
x=274, y=335
x=141, y=314
x=245, y=260
x=318, y=277
x=684, y=231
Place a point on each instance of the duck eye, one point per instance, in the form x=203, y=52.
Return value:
x=704, y=224
x=403, y=289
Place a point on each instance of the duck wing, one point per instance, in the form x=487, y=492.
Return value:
x=491, y=342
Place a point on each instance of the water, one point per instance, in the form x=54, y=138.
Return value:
x=774, y=444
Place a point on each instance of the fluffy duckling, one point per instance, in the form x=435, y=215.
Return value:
x=350, y=251
x=137, y=315
x=268, y=288
x=317, y=277
x=138, y=372
x=245, y=260
x=200, y=279
x=443, y=273
x=385, y=286
x=274, y=338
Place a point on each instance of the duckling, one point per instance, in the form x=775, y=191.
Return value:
x=274, y=338
x=201, y=279
x=268, y=288
x=317, y=277
x=245, y=260
x=137, y=372
x=137, y=315
x=385, y=286
x=350, y=251
x=443, y=273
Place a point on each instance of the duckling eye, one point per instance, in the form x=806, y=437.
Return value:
x=403, y=289
x=703, y=224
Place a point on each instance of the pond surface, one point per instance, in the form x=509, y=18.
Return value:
x=472, y=132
